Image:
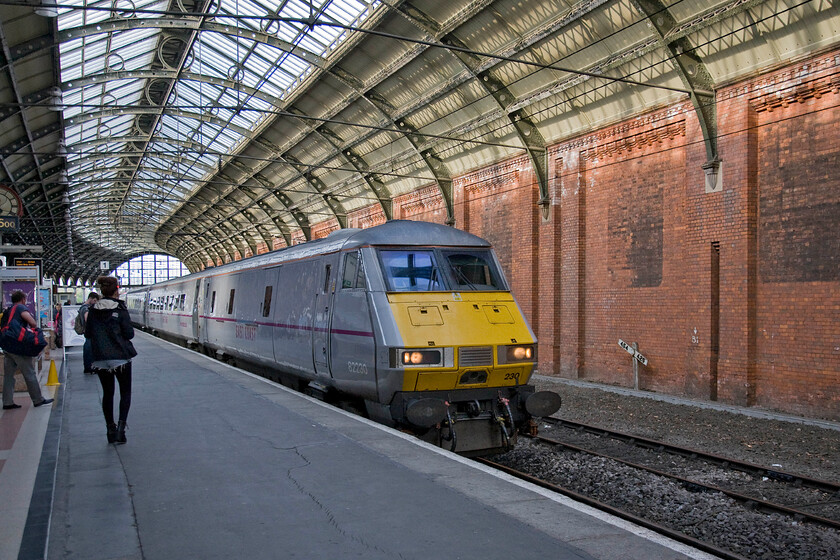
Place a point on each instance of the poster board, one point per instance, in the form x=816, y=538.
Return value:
x=27, y=288
x=21, y=278
x=44, y=307
x=68, y=319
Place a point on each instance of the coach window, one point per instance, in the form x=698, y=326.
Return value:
x=267, y=301
x=213, y=303
x=183, y=302
x=230, y=302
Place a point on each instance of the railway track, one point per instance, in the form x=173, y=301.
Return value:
x=618, y=512
x=714, y=503
x=767, y=489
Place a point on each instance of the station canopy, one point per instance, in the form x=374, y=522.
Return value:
x=212, y=130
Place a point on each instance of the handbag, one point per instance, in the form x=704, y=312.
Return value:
x=17, y=338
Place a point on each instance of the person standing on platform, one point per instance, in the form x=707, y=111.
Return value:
x=87, y=358
x=25, y=363
x=108, y=327
x=59, y=336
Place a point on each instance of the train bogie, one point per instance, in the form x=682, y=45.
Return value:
x=413, y=320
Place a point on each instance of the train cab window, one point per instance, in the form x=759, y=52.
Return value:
x=230, y=302
x=266, y=309
x=213, y=303
x=354, y=272
x=474, y=270
x=411, y=271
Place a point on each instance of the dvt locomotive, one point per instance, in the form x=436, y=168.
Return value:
x=412, y=323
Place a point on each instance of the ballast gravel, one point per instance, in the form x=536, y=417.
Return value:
x=791, y=446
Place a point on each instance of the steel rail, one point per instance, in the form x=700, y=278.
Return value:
x=716, y=460
x=748, y=501
x=725, y=462
x=661, y=529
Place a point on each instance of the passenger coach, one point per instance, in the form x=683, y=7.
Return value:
x=410, y=322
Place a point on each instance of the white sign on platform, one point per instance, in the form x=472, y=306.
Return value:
x=68, y=319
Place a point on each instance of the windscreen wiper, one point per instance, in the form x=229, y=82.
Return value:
x=460, y=274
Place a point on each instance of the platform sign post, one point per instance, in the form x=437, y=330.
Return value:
x=638, y=358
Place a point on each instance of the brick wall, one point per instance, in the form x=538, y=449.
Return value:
x=732, y=295
x=798, y=276
x=323, y=229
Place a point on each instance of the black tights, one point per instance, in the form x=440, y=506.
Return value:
x=106, y=378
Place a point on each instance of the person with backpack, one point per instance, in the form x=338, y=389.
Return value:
x=79, y=327
x=14, y=361
x=108, y=327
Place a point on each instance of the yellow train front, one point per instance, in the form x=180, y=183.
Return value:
x=459, y=351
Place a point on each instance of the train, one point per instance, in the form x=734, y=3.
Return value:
x=409, y=323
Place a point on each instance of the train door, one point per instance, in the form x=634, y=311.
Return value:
x=270, y=294
x=352, y=342
x=247, y=313
x=321, y=319
x=196, y=311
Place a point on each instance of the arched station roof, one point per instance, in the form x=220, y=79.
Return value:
x=211, y=129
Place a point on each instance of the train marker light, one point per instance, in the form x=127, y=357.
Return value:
x=420, y=357
x=520, y=352
x=517, y=353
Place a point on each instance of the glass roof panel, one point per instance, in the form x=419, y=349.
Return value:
x=134, y=41
x=170, y=152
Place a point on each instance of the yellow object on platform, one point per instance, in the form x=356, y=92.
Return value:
x=52, y=379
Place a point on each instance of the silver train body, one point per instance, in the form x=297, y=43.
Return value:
x=410, y=323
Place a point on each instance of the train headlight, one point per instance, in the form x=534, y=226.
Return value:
x=407, y=357
x=517, y=353
x=422, y=357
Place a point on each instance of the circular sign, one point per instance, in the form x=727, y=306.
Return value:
x=10, y=203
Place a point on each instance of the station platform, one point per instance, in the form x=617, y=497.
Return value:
x=223, y=464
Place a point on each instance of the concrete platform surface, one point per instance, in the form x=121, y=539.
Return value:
x=222, y=464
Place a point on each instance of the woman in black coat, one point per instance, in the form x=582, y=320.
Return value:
x=110, y=331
